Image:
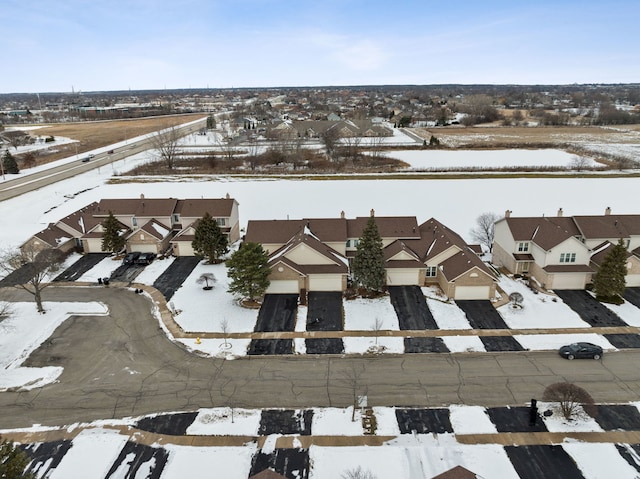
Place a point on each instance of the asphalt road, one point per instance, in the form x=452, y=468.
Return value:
x=123, y=365
x=29, y=182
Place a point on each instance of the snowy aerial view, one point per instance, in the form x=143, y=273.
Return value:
x=362, y=437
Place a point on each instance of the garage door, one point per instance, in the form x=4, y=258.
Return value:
x=568, y=281
x=283, y=286
x=472, y=292
x=632, y=280
x=325, y=282
x=144, y=248
x=403, y=277
x=184, y=248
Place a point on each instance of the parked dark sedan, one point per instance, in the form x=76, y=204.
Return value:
x=145, y=258
x=581, y=351
x=131, y=258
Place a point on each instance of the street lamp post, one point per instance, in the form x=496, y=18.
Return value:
x=2, y=163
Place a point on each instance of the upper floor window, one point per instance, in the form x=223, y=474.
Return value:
x=432, y=271
x=353, y=243
x=567, y=257
x=523, y=247
x=220, y=221
x=134, y=222
x=176, y=218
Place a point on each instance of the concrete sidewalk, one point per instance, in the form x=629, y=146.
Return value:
x=296, y=441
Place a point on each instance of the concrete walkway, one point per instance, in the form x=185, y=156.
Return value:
x=297, y=441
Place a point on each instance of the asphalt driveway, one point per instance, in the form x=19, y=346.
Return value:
x=173, y=277
x=481, y=314
x=589, y=310
x=411, y=308
x=80, y=267
x=277, y=313
x=633, y=296
x=324, y=311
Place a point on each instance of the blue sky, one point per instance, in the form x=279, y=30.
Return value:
x=156, y=44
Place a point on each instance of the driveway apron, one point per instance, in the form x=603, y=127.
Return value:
x=589, y=310
x=411, y=308
x=481, y=314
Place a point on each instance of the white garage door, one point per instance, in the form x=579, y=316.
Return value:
x=472, y=292
x=144, y=248
x=94, y=245
x=283, y=286
x=185, y=249
x=632, y=280
x=568, y=281
x=403, y=277
x=325, y=282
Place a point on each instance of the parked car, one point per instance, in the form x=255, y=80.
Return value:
x=581, y=351
x=86, y=159
x=131, y=258
x=145, y=258
x=110, y=152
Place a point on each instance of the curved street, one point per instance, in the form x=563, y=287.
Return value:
x=124, y=365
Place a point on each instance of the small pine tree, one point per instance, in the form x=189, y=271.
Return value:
x=368, y=263
x=609, y=282
x=249, y=271
x=209, y=240
x=9, y=163
x=211, y=122
x=13, y=462
x=112, y=240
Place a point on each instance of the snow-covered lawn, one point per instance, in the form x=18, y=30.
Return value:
x=538, y=310
x=540, y=342
x=370, y=315
x=194, y=462
x=627, y=312
x=226, y=421
x=201, y=310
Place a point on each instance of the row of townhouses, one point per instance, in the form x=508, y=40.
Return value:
x=314, y=254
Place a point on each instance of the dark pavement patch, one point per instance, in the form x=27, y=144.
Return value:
x=126, y=273
x=618, y=416
x=259, y=347
x=631, y=454
x=481, y=314
x=80, y=267
x=622, y=341
x=633, y=296
x=285, y=421
x=45, y=456
x=425, y=345
x=173, y=277
x=136, y=457
x=515, y=419
x=277, y=313
x=324, y=311
x=324, y=345
x=411, y=308
x=589, y=310
x=500, y=343
x=543, y=462
x=423, y=421
x=291, y=463
x=170, y=424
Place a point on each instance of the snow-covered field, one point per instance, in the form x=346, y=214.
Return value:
x=266, y=199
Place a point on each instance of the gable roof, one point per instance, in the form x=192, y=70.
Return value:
x=396, y=248
x=608, y=226
x=141, y=207
x=156, y=229
x=281, y=231
x=462, y=262
x=81, y=220
x=546, y=232
x=339, y=264
x=52, y=236
x=457, y=472
x=216, y=207
x=405, y=227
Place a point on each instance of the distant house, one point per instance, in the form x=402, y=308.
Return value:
x=564, y=252
x=148, y=224
x=314, y=255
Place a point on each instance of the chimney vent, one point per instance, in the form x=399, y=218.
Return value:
x=342, y=215
x=607, y=212
x=142, y=196
x=373, y=212
x=507, y=214
x=560, y=212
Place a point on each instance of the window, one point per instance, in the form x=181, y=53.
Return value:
x=352, y=243
x=348, y=243
x=134, y=222
x=523, y=247
x=432, y=271
x=220, y=221
x=176, y=218
x=567, y=257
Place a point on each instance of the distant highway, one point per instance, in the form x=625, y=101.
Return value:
x=32, y=181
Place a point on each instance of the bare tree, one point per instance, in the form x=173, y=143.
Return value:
x=358, y=473
x=352, y=380
x=570, y=397
x=31, y=267
x=579, y=163
x=350, y=147
x=376, y=143
x=330, y=139
x=484, y=229
x=165, y=142
x=5, y=310
x=377, y=327
x=224, y=326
